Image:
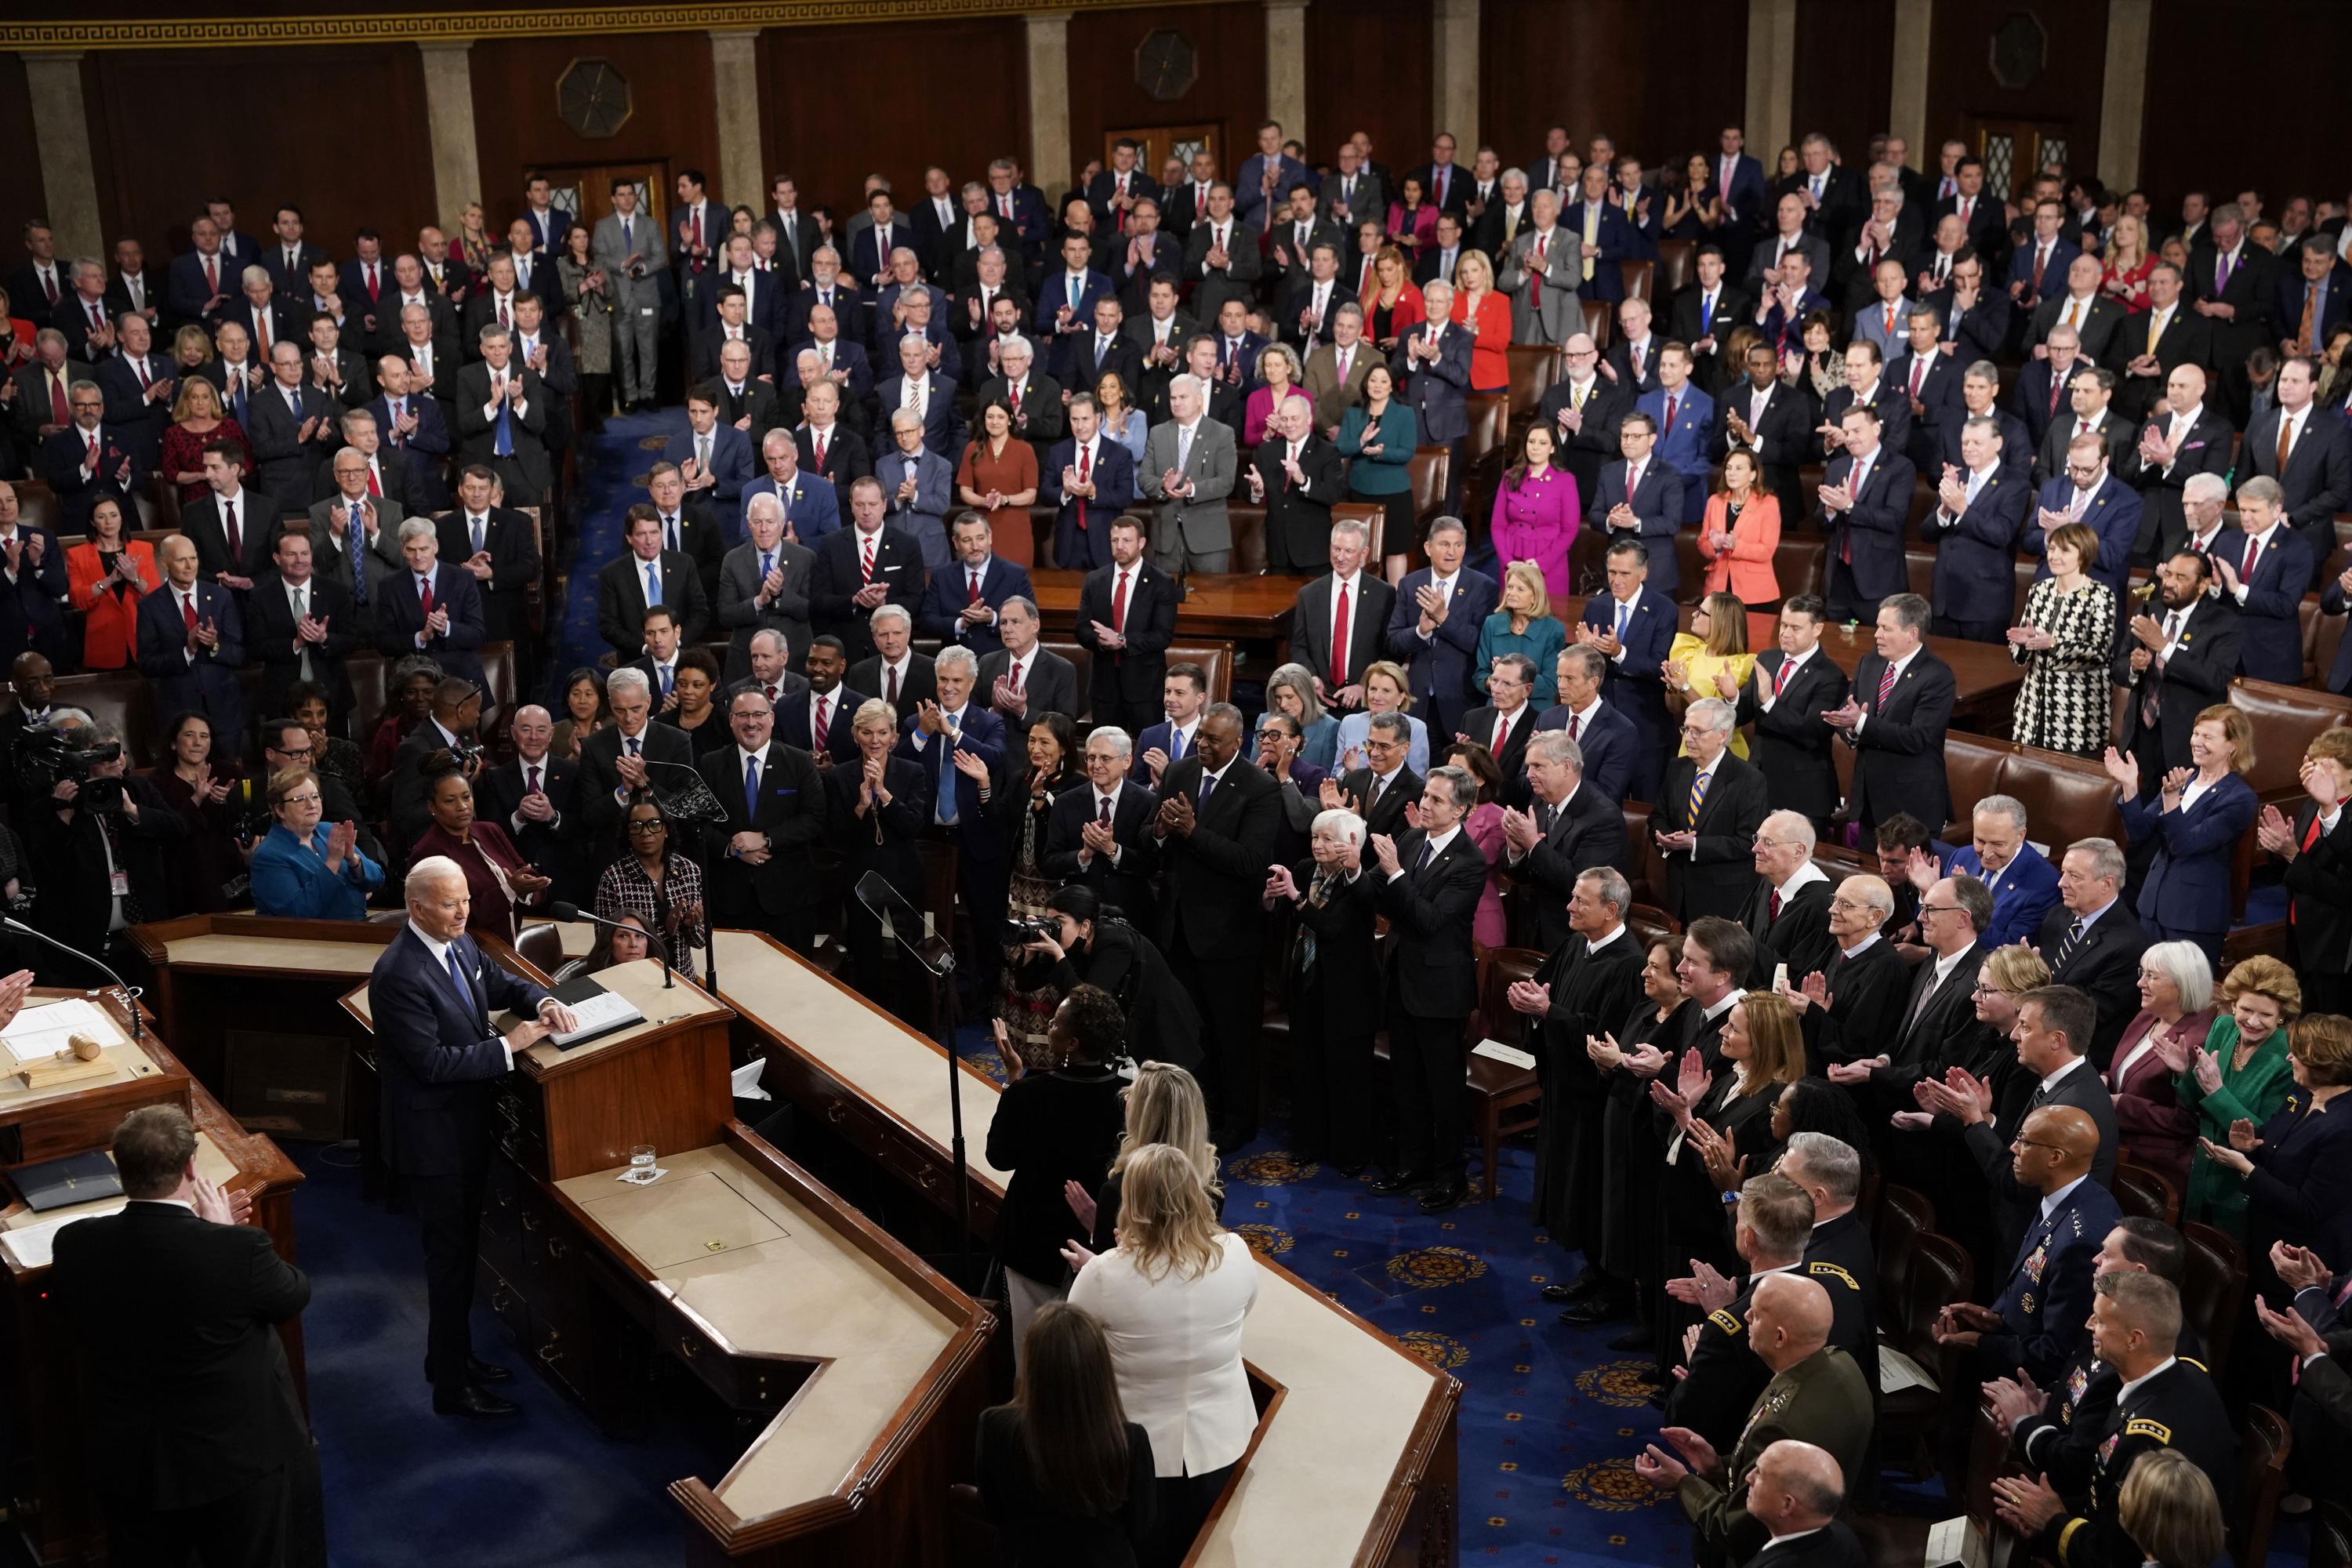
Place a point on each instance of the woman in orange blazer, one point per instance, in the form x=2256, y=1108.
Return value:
x=1739, y=533
x=106, y=575
x=1488, y=314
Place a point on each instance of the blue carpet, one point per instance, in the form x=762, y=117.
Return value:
x=612, y=465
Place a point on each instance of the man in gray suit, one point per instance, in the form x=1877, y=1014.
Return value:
x=763, y=586
x=1022, y=681
x=1189, y=464
x=629, y=249
x=1541, y=272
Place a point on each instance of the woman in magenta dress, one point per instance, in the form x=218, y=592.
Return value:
x=1489, y=927
x=1536, y=512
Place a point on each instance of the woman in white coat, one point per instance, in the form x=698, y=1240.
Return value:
x=1172, y=1297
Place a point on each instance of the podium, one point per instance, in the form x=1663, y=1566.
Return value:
x=41, y=1443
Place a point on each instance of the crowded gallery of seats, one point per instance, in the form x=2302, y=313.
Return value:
x=1243, y=783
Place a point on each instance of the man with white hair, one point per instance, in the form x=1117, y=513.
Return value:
x=1796, y=1492
x=1295, y=475
x=1789, y=913
x=1189, y=466
x=1092, y=834
x=1033, y=398
x=812, y=506
x=613, y=762
x=1705, y=823
x=1566, y=831
x=763, y=585
x=2023, y=883
x=431, y=608
x=1852, y=1003
x=895, y=672
x=431, y=995
x=961, y=745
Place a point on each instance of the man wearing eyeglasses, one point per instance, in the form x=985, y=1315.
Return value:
x=2087, y=492
x=1937, y=1012
x=1854, y=1001
x=1789, y=912
x=286, y=744
x=2024, y=883
x=1705, y=819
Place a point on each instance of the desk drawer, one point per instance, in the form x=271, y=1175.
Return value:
x=742, y=1382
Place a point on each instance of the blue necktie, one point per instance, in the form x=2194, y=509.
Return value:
x=751, y=788
x=653, y=584
x=465, y=987
x=1175, y=744
x=1208, y=787
x=946, y=778
x=767, y=564
x=1623, y=615
x=359, y=558
x=667, y=679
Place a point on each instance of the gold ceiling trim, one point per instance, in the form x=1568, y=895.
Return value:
x=468, y=26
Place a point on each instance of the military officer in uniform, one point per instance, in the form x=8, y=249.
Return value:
x=1816, y=1395
x=1721, y=1378
x=1840, y=1254
x=2162, y=1401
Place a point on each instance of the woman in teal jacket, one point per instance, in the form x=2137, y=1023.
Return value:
x=2241, y=1074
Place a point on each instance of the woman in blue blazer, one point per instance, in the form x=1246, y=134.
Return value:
x=2298, y=1174
x=2195, y=820
x=306, y=869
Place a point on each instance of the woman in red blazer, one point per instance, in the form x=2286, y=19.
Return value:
x=1739, y=534
x=1477, y=306
x=106, y=575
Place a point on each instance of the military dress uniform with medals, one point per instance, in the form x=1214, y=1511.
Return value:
x=2174, y=1406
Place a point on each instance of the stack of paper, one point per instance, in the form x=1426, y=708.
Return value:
x=41, y=1032
x=30, y=1247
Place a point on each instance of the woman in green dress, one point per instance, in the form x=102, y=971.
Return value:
x=2242, y=1074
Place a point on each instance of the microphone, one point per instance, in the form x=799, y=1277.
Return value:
x=568, y=912
x=131, y=994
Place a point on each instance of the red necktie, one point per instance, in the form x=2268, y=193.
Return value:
x=503, y=322
x=1776, y=903
x=1118, y=605
x=188, y=611
x=1574, y=723
x=1670, y=411
x=59, y=412
x=1502, y=734
x=372, y=283
x=890, y=689
x=531, y=787
x=2254, y=548
x=1780, y=679
x=1339, y=640
x=1086, y=466
x=2056, y=386
x=816, y=439
x=1014, y=394
x=96, y=321
x=139, y=367
x=49, y=282
x=1016, y=675
x=1885, y=686
x=1103, y=816
x=974, y=598
x=1918, y=369
x=817, y=731
x=424, y=595
x=865, y=559
x=375, y=487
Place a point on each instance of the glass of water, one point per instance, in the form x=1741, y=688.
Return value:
x=641, y=1159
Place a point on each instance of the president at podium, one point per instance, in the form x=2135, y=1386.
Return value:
x=431, y=995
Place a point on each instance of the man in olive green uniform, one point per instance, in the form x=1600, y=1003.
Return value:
x=1817, y=1395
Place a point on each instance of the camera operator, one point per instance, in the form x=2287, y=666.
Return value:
x=1096, y=947
x=100, y=870
x=448, y=730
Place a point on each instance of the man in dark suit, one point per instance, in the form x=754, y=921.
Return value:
x=1983, y=222
x=1976, y=316
x=1094, y=836
x=624, y=592
x=1640, y=498
x=2084, y=491
x=301, y=627
x=1865, y=501
x=1114, y=191
x=2148, y=347
x=1979, y=515
x=941, y=736
x=2080, y=307
x=1939, y=1007
x=88, y=461
x=535, y=798
x=2180, y=655
x=2192, y=437
x=959, y=607
x=412, y=432
x=1597, y=227
x=1702, y=317
x=1791, y=687
x=817, y=718
x=191, y=640
x=1788, y=234
x=1760, y=413
x=1894, y=719
x=431, y=995
x=288, y=260
x=1444, y=253
x=1705, y=822
x=613, y=760
x=861, y=567
x=1126, y=618
x=139, y=387
x=1020, y=680
x=1929, y=383
x=695, y=527
x=2266, y=573
x=1567, y=829
x=2037, y=269
x=2092, y=943
x=763, y=585
x=2309, y=454
x=2231, y=285
x=745, y=401
x=431, y=608
x=1429, y=880
x=1086, y=499
x=732, y=325
x=1213, y=838
x=2312, y=837
x=1507, y=722
x=1433, y=629
x=919, y=385
x=1346, y=603
x=761, y=874
x=1295, y=475
x=1067, y=300
x=1222, y=253
x=495, y=545
x=503, y=411
x=1632, y=626
x=291, y=425
x=2089, y=411
x=175, y=1309
x=1610, y=741
x=1866, y=382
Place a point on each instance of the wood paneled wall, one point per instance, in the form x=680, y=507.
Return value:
x=2064, y=94
x=21, y=191
x=1368, y=69
x=1229, y=91
x=1844, y=77
x=516, y=126
x=2219, y=116
x=958, y=95
x=343, y=138
x=1662, y=88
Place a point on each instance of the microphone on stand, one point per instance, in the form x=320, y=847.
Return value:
x=574, y=912
x=131, y=994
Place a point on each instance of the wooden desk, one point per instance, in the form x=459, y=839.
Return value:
x=1244, y=609
x=42, y=1450
x=1354, y=1466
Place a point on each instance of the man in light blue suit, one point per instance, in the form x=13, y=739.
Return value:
x=714, y=457
x=811, y=511
x=1685, y=420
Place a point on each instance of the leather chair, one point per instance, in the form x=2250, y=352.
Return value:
x=1216, y=659
x=2146, y=1194
x=1504, y=1100
x=2212, y=1290
x=1904, y=1216
x=1911, y=1422
x=163, y=499
x=1800, y=565
x=2065, y=797
x=37, y=504
x=1639, y=277
x=1429, y=471
x=1374, y=518
x=1599, y=321
x=1534, y=368
x=1248, y=525
x=1489, y=421
x=1972, y=771
x=2331, y=1535
x=2285, y=717
x=1677, y=259
x=2261, y=1480
x=543, y=945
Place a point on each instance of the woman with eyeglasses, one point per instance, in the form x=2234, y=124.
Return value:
x=2195, y=816
x=2240, y=1075
x=304, y=868
x=2176, y=1014
x=655, y=881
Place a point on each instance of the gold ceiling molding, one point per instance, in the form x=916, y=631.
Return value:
x=467, y=26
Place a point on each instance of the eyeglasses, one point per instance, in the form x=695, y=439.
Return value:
x=655, y=826
x=304, y=750
x=1982, y=989
x=1939, y=908
x=1846, y=904
x=2021, y=1141
x=310, y=799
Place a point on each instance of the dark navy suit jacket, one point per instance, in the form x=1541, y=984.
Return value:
x=1607, y=742
x=1440, y=668
x=1975, y=550
x=2188, y=888
x=949, y=590
x=1658, y=502
x=2046, y=1306
x=2113, y=515
x=208, y=685
x=983, y=732
x=440, y=1058
x=1113, y=477
x=2269, y=624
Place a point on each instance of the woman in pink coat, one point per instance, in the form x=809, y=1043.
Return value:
x=1536, y=512
x=1489, y=927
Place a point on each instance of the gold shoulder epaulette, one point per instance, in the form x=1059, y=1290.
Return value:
x=1826, y=1270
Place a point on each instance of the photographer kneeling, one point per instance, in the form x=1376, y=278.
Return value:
x=1096, y=947
x=100, y=870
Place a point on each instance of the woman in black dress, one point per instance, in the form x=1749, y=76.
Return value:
x=876, y=805
x=1065, y=1477
x=1332, y=978
x=1023, y=816
x=1096, y=947
x=1055, y=1123
x=1629, y=1061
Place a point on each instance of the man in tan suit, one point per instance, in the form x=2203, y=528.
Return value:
x=1335, y=371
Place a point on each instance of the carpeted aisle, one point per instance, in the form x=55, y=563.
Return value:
x=613, y=466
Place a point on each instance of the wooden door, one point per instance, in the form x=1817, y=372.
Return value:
x=2015, y=150
x=585, y=190
x=1163, y=143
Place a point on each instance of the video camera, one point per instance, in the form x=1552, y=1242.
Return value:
x=47, y=756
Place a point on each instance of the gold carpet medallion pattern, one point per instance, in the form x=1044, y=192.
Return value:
x=1441, y=1350
x=1265, y=1240
x=1425, y=1267
x=1609, y=1486
x=1625, y=1384
x=1275, y=1168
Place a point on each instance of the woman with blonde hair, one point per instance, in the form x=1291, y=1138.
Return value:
x=197, y=421
x=1394, y=306
x=2166, y=1505
x=1726, y=1121
x=1699, y=661
x=2195, y=817
x=2241, y=1074
x=1278, y=373
x=2124, y=277
x=1172, y=1299
x=1481, y=307
x=1164, y=1105
x=1523, y=624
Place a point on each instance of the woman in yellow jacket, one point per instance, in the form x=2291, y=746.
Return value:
x=1714, y=647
